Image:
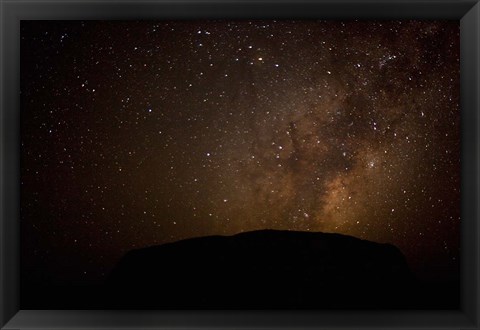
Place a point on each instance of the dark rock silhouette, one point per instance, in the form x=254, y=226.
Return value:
x=264, y=269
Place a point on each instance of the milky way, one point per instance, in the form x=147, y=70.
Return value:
x=140, y=133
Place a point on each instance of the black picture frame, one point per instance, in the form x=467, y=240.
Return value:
x=13, y=11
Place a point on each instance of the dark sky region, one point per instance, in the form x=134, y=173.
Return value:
x=138, y=133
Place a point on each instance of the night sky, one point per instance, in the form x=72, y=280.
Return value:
x=140, y=133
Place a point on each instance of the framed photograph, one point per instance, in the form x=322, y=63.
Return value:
x=239, y=164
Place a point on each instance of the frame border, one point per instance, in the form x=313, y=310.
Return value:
x=13, y=11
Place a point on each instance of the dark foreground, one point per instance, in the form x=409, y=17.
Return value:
x=257, y=270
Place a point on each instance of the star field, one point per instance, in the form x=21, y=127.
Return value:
x=140, y=133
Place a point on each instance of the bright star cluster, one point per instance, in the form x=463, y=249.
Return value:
x=137, y=133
